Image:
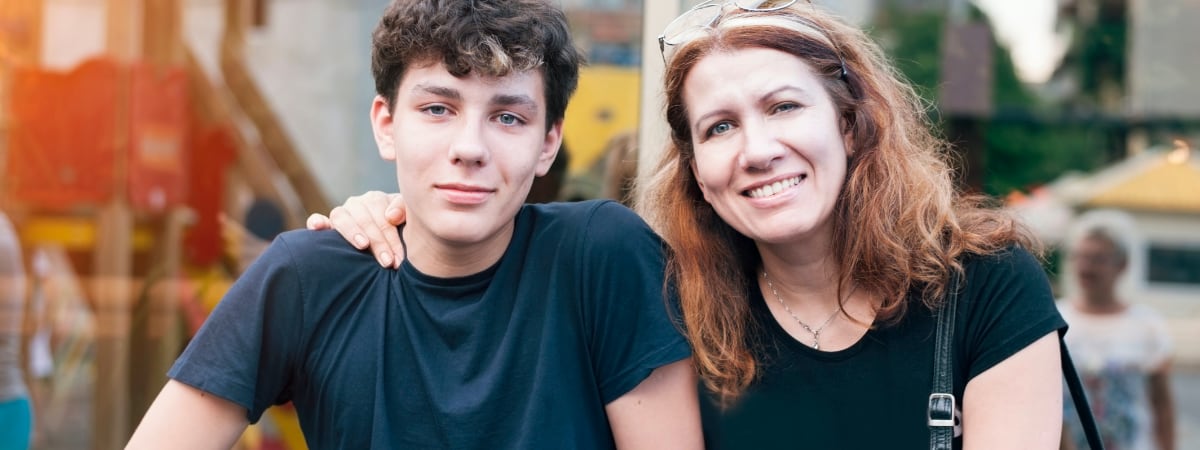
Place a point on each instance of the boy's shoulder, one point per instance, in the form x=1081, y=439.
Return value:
x=585, y=215
x=599, y=227
x=325, y=249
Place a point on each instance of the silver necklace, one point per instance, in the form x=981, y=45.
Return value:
x=816, y=345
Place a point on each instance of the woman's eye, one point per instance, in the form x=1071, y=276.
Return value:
x=785, y=107
x=720, y=128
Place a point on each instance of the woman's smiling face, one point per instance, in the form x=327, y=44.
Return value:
x=770, y=155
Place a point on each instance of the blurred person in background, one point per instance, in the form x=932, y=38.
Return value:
x=620, y=167
x=40, y=354
x=1122, y=350
x=16, y=410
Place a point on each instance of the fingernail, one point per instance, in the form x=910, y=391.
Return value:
x=360, y=241
x=385, y=259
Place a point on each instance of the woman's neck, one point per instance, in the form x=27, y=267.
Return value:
x=802, y=273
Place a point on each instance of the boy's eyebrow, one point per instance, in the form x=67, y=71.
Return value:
x=440, y=91
x=515, y=100
x=498, y=100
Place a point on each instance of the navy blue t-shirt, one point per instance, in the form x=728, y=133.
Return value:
x=875, y=394
x=525, y=354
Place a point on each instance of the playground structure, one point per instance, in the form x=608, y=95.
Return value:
x=126, y=163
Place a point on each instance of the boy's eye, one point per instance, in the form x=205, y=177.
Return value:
x=436, y=110
x=508, y=119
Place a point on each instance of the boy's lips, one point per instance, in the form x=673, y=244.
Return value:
x=464, y=194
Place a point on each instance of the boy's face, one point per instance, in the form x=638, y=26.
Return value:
x=466, y=149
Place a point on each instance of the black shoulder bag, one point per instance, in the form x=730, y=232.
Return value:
x=942, y=401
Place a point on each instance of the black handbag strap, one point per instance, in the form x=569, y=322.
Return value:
x=942, y=402
x=940, y=416
x=1079, y=397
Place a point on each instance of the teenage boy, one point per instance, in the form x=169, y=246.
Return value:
x=542, y=326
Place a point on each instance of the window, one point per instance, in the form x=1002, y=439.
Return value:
x=1174, y=264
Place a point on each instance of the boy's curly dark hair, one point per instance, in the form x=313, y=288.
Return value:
x=491, y=38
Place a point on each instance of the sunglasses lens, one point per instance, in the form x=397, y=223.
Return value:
x=691, y=24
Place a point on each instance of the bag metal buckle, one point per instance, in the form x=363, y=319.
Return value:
x=941, y=410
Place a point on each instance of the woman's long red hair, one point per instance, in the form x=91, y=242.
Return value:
x=900, y=224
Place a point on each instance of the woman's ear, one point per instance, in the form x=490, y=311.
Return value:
x=848, y=138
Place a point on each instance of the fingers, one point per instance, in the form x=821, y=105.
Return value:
x=318, y=222
x=362, y=222
x=396, y=211
x=396, y=214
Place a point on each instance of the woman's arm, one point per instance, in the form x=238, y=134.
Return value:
x=663, y=411
x=1018, y=402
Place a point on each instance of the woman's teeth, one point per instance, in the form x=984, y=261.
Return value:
x=774, y=188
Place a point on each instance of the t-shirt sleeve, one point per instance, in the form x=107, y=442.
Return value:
x=1010, y=305
x=247, y=347
x=1160, y=349
x=631, y=331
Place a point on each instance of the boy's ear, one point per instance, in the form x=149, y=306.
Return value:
x=550, y=146
x=381, y=125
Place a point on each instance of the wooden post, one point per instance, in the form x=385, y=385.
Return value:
x=113, y=258
x=112, y=291
x=20, y=44
x=21, y=31
x=253, y=102
x=155, y=336
x=161, y=24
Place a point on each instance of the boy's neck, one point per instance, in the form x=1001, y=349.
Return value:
x=443, y=259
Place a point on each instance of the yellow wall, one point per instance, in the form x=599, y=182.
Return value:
x=606, y=103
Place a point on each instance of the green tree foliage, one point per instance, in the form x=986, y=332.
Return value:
x=1022, y=155
x=1028, y=142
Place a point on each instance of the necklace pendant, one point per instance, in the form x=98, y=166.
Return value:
x=816, y=345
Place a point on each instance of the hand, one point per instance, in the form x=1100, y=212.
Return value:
x=368, y=221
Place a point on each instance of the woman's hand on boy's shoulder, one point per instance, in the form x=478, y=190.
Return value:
x=368, y=221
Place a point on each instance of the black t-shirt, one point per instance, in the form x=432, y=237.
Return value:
x=525, y=354
x=875, y=394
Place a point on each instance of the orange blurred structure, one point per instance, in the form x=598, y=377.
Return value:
x=126, y=161
x=64, y=150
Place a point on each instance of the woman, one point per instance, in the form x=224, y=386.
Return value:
x=814, y=230
x=807, y=180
